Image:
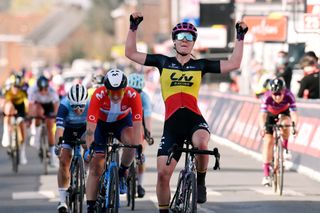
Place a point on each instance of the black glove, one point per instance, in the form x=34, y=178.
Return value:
x=241, y=32
x=134, y=22
x=57, y=150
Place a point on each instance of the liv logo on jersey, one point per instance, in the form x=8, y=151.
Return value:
x=182, y=80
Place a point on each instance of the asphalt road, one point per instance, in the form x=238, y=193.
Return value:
x=235, y=188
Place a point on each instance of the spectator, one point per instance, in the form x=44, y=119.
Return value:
x=283, y=70
x=309, y=84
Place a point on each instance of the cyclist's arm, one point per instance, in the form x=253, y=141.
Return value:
x=294, y=117
x=131, y=48
x=235, y=60
x=91, y=127
x=262, y=119
x=137, y=128
x=58, y=134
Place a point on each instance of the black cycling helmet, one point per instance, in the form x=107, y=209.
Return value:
x=17, y=80
x=277, y=85
x=115, y=79
x=42, y=82
x=98, y=79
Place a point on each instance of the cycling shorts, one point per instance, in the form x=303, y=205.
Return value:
x=21, y=109
x=104, y=128
x=273, y=119
x=70, y=134
x=48, y=109
x=179, y=127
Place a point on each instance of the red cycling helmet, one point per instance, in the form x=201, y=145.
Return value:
x=184, y=27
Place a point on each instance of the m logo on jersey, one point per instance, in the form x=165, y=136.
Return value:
x=132, y=94
x=181, y=80
x=100, y=95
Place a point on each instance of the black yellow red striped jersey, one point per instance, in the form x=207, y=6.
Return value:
x=180, y=84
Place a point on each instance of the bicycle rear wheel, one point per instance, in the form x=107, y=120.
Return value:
x=190, y=194
x=131, y=183
x=101, y=197
x=113, y=194
x=176, y=204
x=77, y=185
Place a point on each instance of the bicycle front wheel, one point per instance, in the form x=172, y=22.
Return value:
x=113, y=193
x=44, y=152
x=77, y=185
x=131, y=183
x=15, y=152
x=280, y=169
x=176, y=204
x=190, y=192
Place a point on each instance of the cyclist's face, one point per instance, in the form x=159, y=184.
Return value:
x=15, y=89
x=278, y=96
x=78, y=109
x=184, y=42
x=115, y=95
x=43, y=91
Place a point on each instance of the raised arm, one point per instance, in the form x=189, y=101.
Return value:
x=131, y=44
x=235, y=60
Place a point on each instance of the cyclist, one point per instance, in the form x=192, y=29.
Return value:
x=136, y=81
x=113, y=108
x=278, y=105
x=44, y=102
x=15, y=104
x=180, y=79
x=71, y=125
x=97, y=81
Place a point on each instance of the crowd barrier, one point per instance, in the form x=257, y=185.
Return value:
x=234, y=118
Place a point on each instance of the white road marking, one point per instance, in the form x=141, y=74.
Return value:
x=33, y=195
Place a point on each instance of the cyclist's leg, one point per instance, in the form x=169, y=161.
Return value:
x=285, y=131
x=141, y=169
x=267, y=152
x=36, y=110
x=163, y=182
x=200, y=139
x=21, y=113
x=64, y=174
x=8, y=110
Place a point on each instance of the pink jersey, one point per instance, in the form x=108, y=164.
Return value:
x=103, y=109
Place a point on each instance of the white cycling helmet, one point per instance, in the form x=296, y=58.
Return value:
x=115, y=79
x=136, y=81
x=78, y=95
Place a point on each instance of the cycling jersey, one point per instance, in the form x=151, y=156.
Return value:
x=269, y=105
x=146, y=104
x=180, y=84
x=34, y=95
x=67, y=118
x=17, y=98
x=101, y=108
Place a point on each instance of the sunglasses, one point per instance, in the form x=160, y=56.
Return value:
x=78, y=106
x=184, y=35
x=115, y=93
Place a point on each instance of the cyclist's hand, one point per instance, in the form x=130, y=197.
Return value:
x=241, y=29
x=86, y=156
x=135, y=19
x=262, y=132
x=57, y=150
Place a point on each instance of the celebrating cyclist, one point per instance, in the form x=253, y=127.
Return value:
x=44, y=102
x=136, y=81
x=71, y=125
x=278, y=106
x=113, y=108
x=15, y=100
x=180, y=79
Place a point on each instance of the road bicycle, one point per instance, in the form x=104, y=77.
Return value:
x=185, y=196
x=108, y=198
x=14, y=142
x=76, y=189
x=277, y=162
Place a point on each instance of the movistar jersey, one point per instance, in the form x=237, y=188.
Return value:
x=67, y=118
x=180, y=84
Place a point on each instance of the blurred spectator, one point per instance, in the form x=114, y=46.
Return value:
x=309, y=84
x=260, y=79
x=283, y=70
x=313, y=56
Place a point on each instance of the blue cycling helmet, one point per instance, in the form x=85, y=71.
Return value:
x=136, y=81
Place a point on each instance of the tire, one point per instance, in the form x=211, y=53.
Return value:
x=280, y=170
x=78, y=186
x=15, y=151
x=44, y=150
x=101, y=197
x=131, y=183
x=190, y=192
x=113, y=194
x=275, y=172
x=176, y=204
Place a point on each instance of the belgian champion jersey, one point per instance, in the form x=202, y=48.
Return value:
x=180, y=84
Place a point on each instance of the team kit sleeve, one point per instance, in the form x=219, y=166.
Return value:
x=210, y=66
x=136, y=106
x=146, y=104
x=155, y=60
x=94, y=106
x=292, y=102
x=61, y=115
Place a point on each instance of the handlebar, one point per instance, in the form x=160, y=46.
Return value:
x=195, y=150
x=76, y=141
x=148, y=137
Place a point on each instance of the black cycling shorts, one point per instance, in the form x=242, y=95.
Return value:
x=71, y=134
x=273, y=119
x=179, y=127
x=48, y=109
x=21, y=109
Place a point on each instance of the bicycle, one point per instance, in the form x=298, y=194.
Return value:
x=277, y=162
x=14, y=144
x=108, y=198
x=185, y=197
x=76, y=189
